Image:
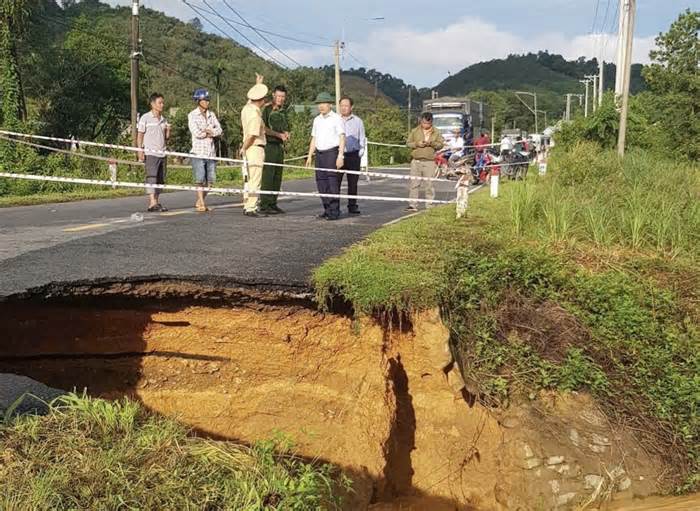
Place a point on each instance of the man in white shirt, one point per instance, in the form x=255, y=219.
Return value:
x=328, y=142
x=204, y=127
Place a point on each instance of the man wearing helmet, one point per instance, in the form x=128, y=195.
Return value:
x=204, y=127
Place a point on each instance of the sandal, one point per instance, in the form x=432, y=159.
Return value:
x=153, y=209
x=162, y=208
x=202, y=209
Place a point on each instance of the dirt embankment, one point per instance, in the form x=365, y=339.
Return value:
x=370, y=399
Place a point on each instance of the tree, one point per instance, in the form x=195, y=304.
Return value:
x=13, y=17
x=674, y=78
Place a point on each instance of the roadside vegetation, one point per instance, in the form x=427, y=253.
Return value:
x=585, y=279
x=95, y=454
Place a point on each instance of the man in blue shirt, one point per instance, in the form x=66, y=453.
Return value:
x=355, y=146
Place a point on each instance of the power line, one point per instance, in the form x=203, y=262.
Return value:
x=275, y=34
x=199, y=13
x=262, y=36
x=595, y=16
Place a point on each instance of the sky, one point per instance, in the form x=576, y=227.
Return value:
x=420, y=42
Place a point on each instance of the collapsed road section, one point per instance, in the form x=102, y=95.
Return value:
x=368, y=397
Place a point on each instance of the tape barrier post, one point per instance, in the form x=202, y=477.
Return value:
x=364, y=163
x=462, y=196
x=495, y=177
x=113, y=173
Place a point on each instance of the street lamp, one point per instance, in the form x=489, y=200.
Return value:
x=534, y=111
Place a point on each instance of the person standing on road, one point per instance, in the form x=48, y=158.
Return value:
x=355, y=146
x=328, y=143
x=253, y=148
x=277, y=133
x=425, y=141
x=153, y=135
x=204, y=128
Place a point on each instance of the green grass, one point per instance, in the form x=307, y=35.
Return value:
x=640, y=203
x=586, y=279
x=95, y=454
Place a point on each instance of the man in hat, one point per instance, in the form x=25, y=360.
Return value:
x=254, y=142
x=204, y=127
x=277, y=132
x=328, y=143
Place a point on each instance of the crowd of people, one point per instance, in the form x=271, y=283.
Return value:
x=337, y=141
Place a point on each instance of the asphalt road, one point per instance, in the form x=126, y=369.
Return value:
x=61, y=243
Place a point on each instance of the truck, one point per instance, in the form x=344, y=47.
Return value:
x=458, y=112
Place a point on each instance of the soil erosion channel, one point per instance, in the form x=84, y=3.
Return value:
x=244, y=365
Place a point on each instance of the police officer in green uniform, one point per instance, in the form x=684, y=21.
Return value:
x=277, y=131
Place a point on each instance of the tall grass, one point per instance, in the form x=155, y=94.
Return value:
x=644, y=202
x=94, y=454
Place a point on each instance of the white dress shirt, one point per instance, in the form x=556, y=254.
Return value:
x=327, y=130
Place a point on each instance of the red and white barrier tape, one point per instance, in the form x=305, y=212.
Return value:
x=216, y=158
x=126, y=184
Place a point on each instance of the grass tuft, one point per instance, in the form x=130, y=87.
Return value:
x=95, y=454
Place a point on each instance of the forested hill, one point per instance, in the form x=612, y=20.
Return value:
x=86, y=45
x=542, y=71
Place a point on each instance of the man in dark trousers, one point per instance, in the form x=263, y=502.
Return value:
x=355, y=145
x=277, y=131
x=328, y=143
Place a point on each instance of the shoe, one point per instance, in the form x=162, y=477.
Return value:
x=330, y=218
x=354, y=211
x=253, y=214
x=322, y=216
x=268, y=211
x=153, y=209
x=162, y=208
x=278, y=210
x=411, y=209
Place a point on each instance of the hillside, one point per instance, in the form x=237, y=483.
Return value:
x=543, y=71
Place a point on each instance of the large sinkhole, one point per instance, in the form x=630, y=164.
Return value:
x=245, y=364
x=232, y=363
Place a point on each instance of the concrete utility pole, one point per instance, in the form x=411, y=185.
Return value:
x=593, y=79
x=336, y=54
x=567, y=116
x=600, y=82
x=135, y=54
x=585, y=110
x=624, y=68
x=534, y=111
x=408, y=115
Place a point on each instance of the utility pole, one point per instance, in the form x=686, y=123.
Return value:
x=585, y=110
x=534, y=111
x=408, y=115
x=135, y=54
x=593, y=79
x=628, y=13
x=600, y=82
x=338, y=46
x=567, y=116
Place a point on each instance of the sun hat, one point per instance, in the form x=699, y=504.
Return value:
x=323, y=97
x=257, y=92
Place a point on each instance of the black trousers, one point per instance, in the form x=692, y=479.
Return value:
x=328, y=182
x=352, y=162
